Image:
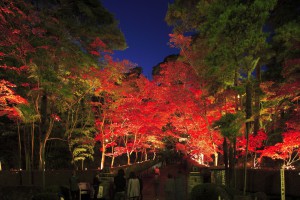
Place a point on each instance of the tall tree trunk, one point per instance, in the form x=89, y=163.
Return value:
x=154, y=156
x=32, y=145
x=26, y=150
x=128, y=157
x=248, y=127
x=216, y=155
x=113, y=157
x=225, y=150
x=231, y=164
x=257, y=101
x=42, y=130
x=136, y=157
x=234, y=162
x=146, y=155
x=103, y=156
x=20, y=145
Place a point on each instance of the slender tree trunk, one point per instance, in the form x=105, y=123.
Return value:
x=103, y=156
x=216, y=155
x=112, y=161
x=32, y=145
x=225, y=150
x=234, y=163
x=248, y=126
x=128, y=157
x=113, y=157
x=146, y=155
x=20, y=145
x=41, y=156
x=26, y=150
x=256, y=126
x=231, y=165
x=42, y=131
x=136, y=157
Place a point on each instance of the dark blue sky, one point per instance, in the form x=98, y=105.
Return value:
x=146, y=32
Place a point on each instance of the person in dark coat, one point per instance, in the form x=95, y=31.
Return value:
x=120, y=185
x=74, y=188
x=141, y=186
x=96, y=183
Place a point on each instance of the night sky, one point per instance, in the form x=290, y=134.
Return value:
x=146, y=32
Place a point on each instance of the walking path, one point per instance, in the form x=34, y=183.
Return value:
x=148, y=182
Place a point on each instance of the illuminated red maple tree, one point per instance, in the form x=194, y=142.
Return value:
x=288, y=150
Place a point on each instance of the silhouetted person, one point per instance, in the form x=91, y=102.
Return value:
x=156, y=181
x=141, y=186
x=120, y=185
x=133, y=189
x=96, y=184
x=74, y=188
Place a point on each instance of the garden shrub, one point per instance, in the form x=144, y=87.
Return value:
x=232, y=192
x=18, y=192
x=59, y=190
x=45, y=196
x=209, y=191
x=260, y=196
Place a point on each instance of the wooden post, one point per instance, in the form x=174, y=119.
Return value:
x=223, y=177
x=282, y=184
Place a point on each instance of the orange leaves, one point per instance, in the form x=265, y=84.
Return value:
x=8, y=99
x=179, y=41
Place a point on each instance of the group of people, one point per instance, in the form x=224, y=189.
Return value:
x=122, y=189
x=131, y=189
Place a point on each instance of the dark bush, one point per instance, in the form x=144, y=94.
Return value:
x=232, y=192
x=59, y=190
x=260, y=196
x=209, y=191
x=45, y=196
x=18, y=192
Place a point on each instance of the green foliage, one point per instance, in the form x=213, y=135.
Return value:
x=82, y=152
x=82, y=144
x=58, y=155
x=28, y=113
x=230, y=125
x=85, y=20
x=183, y=16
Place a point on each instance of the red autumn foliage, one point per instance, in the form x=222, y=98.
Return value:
x=288, y=150
x=256, y=142
x=8, y=100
